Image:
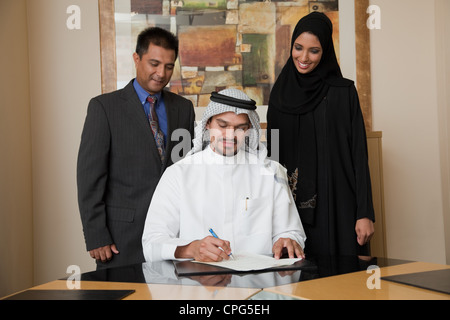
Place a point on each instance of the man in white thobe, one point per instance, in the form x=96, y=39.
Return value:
x=225, y=184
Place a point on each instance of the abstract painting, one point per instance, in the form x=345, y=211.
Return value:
x=222, y=43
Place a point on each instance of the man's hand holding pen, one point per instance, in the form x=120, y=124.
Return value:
x=208, y=249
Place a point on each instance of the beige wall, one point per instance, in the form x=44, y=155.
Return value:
x=405, y=71
x=16, y=236
x=443, y=89
x=65, y=74
x=38, y=162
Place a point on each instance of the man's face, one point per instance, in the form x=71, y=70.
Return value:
x=155, y=68
x=227, y=132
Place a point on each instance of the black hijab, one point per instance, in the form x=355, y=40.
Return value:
x=293, y=99
x=298, y=93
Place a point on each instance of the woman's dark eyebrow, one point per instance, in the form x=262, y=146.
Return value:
x=298, y=44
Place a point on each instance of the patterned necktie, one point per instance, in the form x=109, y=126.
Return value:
x=157, y=133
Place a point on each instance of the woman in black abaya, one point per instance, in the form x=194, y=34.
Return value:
x=322, y=143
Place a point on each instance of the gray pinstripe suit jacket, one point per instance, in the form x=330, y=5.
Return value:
x=119, y=167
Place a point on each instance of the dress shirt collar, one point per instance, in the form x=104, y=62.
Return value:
x=142, y=94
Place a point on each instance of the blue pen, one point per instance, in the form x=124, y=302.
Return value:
x=215, y=236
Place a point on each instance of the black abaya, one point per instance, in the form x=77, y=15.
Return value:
x=322, y=143
x=343, y=180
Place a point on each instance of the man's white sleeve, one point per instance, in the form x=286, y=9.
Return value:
x=162, y=225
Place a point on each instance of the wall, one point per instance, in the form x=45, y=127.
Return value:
x=16, y=236
x=64, y=75
x=443, y=88
x=405, y=108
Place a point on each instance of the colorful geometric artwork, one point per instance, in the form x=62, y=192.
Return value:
x=201, y=5
x=222, y=43
x=207, y=46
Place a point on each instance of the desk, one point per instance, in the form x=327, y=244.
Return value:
x=322, y=278
x=145, y=291
x=353, y=286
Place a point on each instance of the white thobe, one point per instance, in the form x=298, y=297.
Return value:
x=244, y=200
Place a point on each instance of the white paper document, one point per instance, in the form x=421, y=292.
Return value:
x=251, y=261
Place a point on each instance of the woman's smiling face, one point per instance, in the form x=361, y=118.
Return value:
x=307, y=52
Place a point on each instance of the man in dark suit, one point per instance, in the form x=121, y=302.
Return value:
x=119, y=164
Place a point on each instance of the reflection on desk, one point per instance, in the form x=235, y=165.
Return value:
x=322, y=278
x=311, y=268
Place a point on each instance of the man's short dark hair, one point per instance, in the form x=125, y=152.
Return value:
x=159, y=37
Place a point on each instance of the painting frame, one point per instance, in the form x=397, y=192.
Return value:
x=108, y=55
